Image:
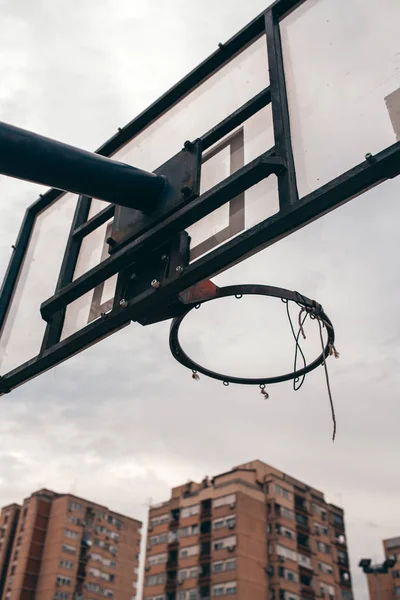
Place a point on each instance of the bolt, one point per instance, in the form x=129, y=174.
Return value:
x=155, y=284
x=164, y=257
x=188, y=145
x=123, y=303
x=186, y=191
x=132, y=276
x=369, y=157
x=179, y=269
x=111, y=242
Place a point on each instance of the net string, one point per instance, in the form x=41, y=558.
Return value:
x=332, y=351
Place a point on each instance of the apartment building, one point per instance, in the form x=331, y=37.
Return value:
x=253, y=533
x=386, y=586
x=61, y=547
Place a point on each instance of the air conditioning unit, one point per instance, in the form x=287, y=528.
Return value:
x=150, y=528
x=269, y=571
x=231, y=548
x=232, y=505
x=147, y=568
x=148, y=547
x=281, y=558
x=232, y=525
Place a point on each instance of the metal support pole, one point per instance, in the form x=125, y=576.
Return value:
x=378, y=587
x=26, y=155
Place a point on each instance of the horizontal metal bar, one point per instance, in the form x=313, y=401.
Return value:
x=384, y=165
x=102, y=217
x=236, y=118
x=32, y=157
x=281, y=8
x=195, y=210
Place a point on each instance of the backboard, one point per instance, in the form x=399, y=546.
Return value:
x=296, y=114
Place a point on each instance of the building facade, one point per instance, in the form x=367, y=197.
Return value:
x=253, y=533
x=386, y=586
x=60, y=547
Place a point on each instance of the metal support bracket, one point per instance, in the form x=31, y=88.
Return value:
x=182, y=175
x=163, y=265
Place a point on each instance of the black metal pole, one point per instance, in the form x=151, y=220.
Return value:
x=26, y=155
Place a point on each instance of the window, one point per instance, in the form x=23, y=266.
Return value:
x=301, y=520
x=224, y=589
x=227, y=565
x=230, y=565
x=286, y=552
x=75, y=506
x=224, y=542
x=286, y=513
x=158, y=539
x=280, y=491
x=305, y=561
x=188, y=511
x=347, y=595
x=61, y=596
x=397, y=590
x=288, y=533
x=287, y=574
x=188, y=595
x=396, y=574
x=66, y=564
x=223, y=500
x=160, y=520
x=229, y=521
x=337, y=520
x=63, y=580
x=188, y=551
x=324, y=548
x=325, y=568
x=162, y=597
x=326, y=590
x=69, y=549
x=157, y=559
x=73, y=535
x=189, y=530
x=187, y=573
x=155, y=579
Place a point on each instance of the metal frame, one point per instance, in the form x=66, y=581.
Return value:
x=314, y=309
x=293, y=214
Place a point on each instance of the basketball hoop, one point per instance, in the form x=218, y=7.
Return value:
x=207, y=291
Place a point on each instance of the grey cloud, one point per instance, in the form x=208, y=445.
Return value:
x=122, y=421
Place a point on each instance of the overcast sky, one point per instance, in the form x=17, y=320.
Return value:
x=123, y=422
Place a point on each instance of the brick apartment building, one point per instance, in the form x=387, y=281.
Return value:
x=386, y=586
x=253, y=533
x=60, y=547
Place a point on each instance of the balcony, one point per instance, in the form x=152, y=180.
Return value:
x=205, y=592
x=302, y=521
x=301, y=504
x=340, y=540
x=171, y=585
x=173, y=524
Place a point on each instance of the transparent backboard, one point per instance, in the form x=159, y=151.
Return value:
x=247, y=74
x=342, y=71
x=24, y=328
